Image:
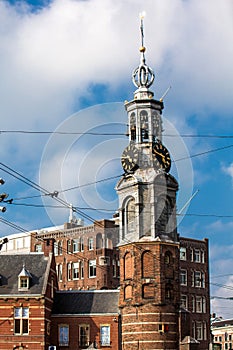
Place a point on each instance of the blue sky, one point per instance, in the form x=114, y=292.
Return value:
x=66, y=66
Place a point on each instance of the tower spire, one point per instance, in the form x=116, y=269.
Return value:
x=143, y=76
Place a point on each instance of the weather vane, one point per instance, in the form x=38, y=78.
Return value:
x=143, y=76
x=142, y=15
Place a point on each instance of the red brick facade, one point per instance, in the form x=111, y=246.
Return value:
x=149, y=295
x=94, y=323
x=86, y=257
x=25, y=318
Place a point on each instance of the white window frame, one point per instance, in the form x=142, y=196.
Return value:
x=199, y=330
x=183, y=253
x=91, y=243
x=75, y=245
x=183, y=277
x=199, y=308
x=92, y=268
x=76, y=271
x=197, y=255
x=21, y=314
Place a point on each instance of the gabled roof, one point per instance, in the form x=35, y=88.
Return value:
x=11, y=266
x=86, y=302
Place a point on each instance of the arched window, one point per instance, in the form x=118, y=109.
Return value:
x=167, y=258
x=168, y=292
x=99, y=241
x=128, y=266
x=156, y=125
x=128, y=292
x=147, y=264
x=163, y=214
x=132, y=127
x=130, y=215
x=144, y=126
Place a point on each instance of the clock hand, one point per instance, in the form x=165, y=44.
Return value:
x=161, y=155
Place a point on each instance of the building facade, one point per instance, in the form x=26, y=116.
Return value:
x=222, y=333
x=27, y=287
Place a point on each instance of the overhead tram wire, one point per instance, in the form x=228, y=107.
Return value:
x=107, y=210
x=77, y=209
x=74, y=187
x=22, y=230
x=46, y=192
x=64, y=250
x=108, y=134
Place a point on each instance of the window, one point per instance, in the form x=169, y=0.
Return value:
x=75, y=245
x=183, y=277
x=191, y=254
x=229, y=337
x=184, y=301
x=21, y=315
x=163, y=328
x=203, y=280
x=63, y=335
x=226, y=346
x=130, y=215
x=75, y=270
x=114, y=273
x=23, y=282
x=59, y=247
x=167, y=258
x=199, y=332
x=90, y=243
x=204, y=305
x=69, y=246
x=220, y=338
x=197, y=255
x=59, y=272
x=69, y=271
x=198, y=304
x=168, y=292
x=38, y=248
x=81, y=269
x=105, y=335
x=81, y=244
x=84, y=335
x=198, y=279
x=183, y=255
x=193, y=304
x=55, y=248
x=92, y=268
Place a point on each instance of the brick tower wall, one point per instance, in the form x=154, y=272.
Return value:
x=149, y=295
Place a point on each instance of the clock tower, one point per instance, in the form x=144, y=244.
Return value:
x=148, y=244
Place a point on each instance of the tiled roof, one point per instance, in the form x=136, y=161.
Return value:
x=86, y=302
x=10, y=268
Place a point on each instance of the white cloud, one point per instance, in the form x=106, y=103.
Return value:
x=228, y=170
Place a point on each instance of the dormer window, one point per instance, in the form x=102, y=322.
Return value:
x=24, y=279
